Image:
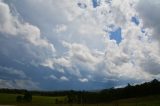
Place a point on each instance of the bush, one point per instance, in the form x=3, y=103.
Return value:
x=27, y=97
x=19, y=98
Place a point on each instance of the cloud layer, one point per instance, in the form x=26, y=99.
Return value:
x=51, y=44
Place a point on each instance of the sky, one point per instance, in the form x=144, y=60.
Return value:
x=78, y=44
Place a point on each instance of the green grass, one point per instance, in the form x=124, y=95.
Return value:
x=10, y=99
x=141, y=101
x=7, y=99
x=43, y=100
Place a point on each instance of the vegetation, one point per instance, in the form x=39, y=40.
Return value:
x=138, y=95
x=10, y=99
x=7, y=99
x=26, y=98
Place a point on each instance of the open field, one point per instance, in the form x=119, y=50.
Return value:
x=10, y=99
x=143, y=101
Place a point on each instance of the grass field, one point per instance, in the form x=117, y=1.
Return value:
x=143, y=101
x=10, y=99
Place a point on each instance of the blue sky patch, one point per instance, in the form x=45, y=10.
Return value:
x=143, y=30
x=116, y=35
x=135, y=20
x=96, y=3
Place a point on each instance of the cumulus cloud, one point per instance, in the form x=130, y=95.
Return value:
x=60, y=28
x=9, y=22
x=10, y=25
x=148, y=10
x=6, y=20
x=63, y=78
x=81, y=53
x=72, y=38
x=83, y=80
x=87, y=25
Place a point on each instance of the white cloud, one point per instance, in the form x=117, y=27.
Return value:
x=48, y=63
x=60, y=28
x=10, y=26
x=63, y=62
x=81, y=53
x=7, y=21
x=120, y=61
x=78, y=56
x=82, y=37
x=32, y=35
x=63, y=78
x=83, y=59
x=83, y=80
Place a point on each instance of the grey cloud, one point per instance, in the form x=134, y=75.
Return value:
x=53, y=77
x=26, y=84
x=11, y=71
x=19, y=84
x=6, y=84
x=151, y=66
x=149, y=12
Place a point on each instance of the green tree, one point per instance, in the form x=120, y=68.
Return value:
x=27, y=97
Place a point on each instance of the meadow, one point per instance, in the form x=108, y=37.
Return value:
x=10, y=99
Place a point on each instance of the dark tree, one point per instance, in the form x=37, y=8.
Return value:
x=19, y=98
x=27, y=97
x=56, y=101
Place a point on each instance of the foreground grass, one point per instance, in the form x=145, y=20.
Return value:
x=141, y=101
x=10, y=99
x=7, y=99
